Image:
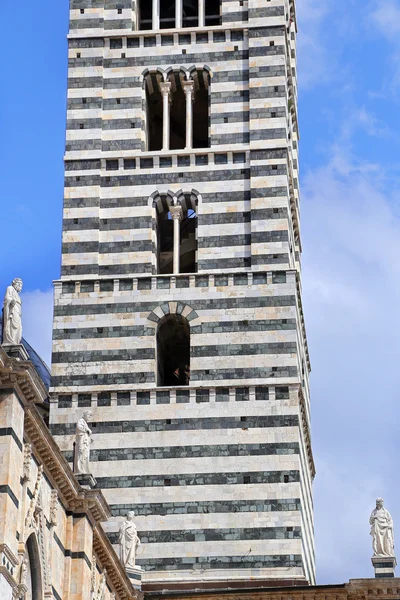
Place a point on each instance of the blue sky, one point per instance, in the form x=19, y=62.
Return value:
x=349, y=82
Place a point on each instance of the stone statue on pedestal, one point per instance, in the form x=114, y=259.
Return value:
x=12, y=314
x=382, y=530
x=82, y=444
x=129, y=541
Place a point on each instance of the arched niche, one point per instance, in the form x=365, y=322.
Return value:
x=33, y=577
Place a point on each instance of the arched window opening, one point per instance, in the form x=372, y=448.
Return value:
x=177, y=112
x=154, y=112
x=33, y=579
x=213, y=12
x=190, y=13
x=177, y=109
x=188, y=248
x=167, y=14
x=201, y=138
x=173, y=351
x=145, y=14
x=165, y=243
x=187, y=236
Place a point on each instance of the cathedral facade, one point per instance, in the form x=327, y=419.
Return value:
x=178, y=315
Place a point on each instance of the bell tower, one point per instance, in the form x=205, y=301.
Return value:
x=178, y=315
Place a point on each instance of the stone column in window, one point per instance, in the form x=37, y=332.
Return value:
x=176, y=214
x=178, y=14
x=165, y=88
x=188, y=87
x=156, y=14
x=202, y=20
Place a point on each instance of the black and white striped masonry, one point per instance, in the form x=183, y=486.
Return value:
x=181, y=241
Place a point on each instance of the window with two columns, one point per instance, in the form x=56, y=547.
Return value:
x=177, y=109
x=169, y=14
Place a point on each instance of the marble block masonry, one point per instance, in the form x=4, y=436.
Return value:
x=178, y=316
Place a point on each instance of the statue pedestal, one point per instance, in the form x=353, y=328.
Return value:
x=86, y=480
x=16, y=351
x=135, y=576
x=384, y=566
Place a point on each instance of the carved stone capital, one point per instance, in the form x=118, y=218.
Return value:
x=165, y=88
x=188, y=88
x=176, y=212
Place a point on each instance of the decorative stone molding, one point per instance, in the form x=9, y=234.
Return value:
x=174, y=308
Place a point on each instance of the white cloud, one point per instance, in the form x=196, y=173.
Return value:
x=351, y=283
x=37, y=321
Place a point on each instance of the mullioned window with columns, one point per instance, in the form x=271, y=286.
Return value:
x=169, y=14
x=177, y=108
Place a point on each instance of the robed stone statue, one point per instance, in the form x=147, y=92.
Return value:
x=82, y=444
x=129, y=541
x=12, y=314
x=382, y=530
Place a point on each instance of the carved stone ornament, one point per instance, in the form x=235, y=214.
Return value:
x=94, y=575
x=23, y=570
x=53, y=508
x=12, y=314
x=31, y=520
x=101, y=589
x=26, y=476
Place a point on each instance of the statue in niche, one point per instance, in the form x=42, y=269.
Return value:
x=82, y=444
x=12, y=314
x=381, y=530
x=129, y=541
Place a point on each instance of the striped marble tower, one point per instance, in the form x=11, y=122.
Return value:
x=181, y=250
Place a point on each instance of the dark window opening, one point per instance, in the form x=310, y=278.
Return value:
x=200, y=119
x=167, y=14
x=154, y=116
x=145, y=20
x=178, y=119
x=199, y=138
x=190, y=13
x=173, y=351
x=212, y=12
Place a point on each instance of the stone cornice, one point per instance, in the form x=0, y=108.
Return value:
x=22, y=376
x=356, y=589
